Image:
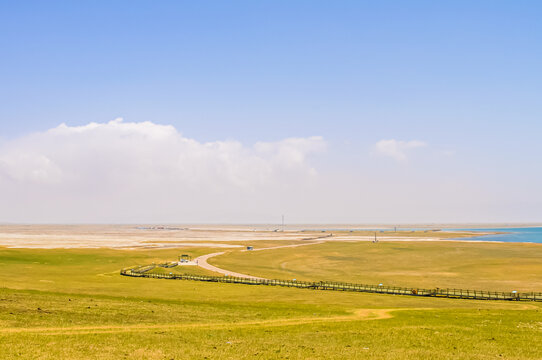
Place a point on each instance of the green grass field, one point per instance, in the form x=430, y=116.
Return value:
x=73, y=304
x=468, y=265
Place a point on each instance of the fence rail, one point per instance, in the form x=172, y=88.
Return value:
x=143, y=271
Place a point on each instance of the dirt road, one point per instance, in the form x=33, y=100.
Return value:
x=202, y=260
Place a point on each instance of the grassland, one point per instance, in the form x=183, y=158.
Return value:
x=468, y=265
x=73, y=304
x=192, y=270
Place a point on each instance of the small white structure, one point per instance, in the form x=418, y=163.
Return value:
x=185, y=259
x=188, y=263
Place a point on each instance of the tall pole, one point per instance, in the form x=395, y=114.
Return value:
x=283, y=223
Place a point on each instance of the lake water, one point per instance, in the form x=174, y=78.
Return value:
x=531, y=235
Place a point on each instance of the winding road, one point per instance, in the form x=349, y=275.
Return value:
x=202, y=260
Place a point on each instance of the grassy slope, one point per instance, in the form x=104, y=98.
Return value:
x=484, y=266
x=70, y=304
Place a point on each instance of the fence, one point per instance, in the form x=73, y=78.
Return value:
x=142, y=271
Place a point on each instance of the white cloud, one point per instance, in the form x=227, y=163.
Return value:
x=119, y=172
x=84, y=171
x=397, y=149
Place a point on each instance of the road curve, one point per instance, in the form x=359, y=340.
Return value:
x=202, y=262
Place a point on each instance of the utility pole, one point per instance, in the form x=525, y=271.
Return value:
x=282, y=223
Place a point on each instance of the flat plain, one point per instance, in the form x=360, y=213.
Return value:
x=67, y=303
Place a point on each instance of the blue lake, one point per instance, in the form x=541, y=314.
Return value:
x=531, y=235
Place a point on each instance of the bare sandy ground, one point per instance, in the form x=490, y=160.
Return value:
x=130, y=237
x=172, y=236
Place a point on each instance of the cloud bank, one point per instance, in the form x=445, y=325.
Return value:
x=397, y=149
x=134, y=171
x=122, y=172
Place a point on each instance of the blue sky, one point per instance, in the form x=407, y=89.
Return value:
x=462, y=77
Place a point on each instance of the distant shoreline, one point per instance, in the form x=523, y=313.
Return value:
x=169, y=236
